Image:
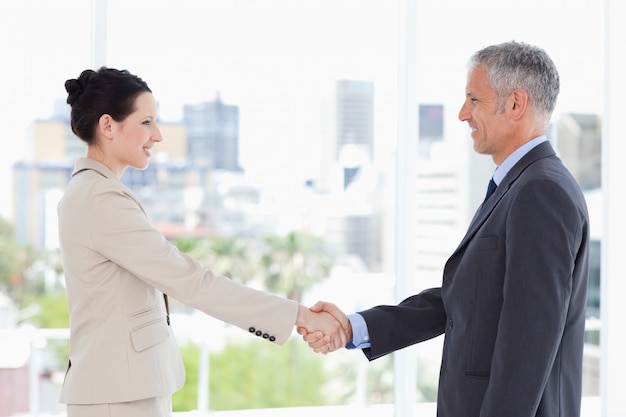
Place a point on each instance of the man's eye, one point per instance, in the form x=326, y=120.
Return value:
x=147, y=122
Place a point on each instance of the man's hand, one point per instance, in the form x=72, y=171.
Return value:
x=331, y=334
x=320, y=341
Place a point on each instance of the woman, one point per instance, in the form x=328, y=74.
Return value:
x=124, y=360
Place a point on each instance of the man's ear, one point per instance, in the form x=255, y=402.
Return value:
x=517, y=103
x=105, y=125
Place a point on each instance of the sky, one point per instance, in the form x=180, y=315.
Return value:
x=278, y=61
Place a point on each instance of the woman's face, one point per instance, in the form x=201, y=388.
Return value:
x=133, y=138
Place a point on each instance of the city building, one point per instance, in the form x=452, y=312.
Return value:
x=354, y=226
x=354, y=126
x=213, y=134
x=164, y=187
x=579, y=142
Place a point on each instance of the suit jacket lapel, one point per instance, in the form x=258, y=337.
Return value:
x=540, y=151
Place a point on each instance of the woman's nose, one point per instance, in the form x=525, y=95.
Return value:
x=157, y=135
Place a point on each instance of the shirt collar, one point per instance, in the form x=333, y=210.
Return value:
x=514, y=158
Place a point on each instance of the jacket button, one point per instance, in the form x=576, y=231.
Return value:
x=450, y=324
x=265, y=335
x=258, y=333
x=272, y=339
x=252, y=330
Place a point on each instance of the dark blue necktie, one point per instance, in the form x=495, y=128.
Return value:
x=490, y=189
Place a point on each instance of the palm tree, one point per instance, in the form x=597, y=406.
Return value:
x=231, y=256
x=294, y=263
x=224, y=255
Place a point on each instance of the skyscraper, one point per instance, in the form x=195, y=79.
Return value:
x=213, y=134
x=354, y=228
x=355, y=126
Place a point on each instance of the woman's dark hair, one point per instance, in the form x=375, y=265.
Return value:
x=106, y=91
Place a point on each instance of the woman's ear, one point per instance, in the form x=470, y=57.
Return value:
x=105, y=125
x=518, y=102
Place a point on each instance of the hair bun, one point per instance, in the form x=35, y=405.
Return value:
x=75, y=87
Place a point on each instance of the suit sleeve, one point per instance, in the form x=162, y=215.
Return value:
x=544, y=232
x=416, y=319
x=123, y=234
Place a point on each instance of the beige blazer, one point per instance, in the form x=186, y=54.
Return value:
x=117, y=268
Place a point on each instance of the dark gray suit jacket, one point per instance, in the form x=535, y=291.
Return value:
x=512, y=302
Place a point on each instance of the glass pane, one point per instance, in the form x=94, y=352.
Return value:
x=279, y=120
x=288, y=125
x=43, y=44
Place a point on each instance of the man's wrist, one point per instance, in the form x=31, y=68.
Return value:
x=360, y=334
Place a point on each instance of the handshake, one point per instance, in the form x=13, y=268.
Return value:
x=324, y=327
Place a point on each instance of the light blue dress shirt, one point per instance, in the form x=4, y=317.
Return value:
x=360, y=333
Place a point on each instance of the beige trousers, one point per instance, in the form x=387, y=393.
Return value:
x=150, y=407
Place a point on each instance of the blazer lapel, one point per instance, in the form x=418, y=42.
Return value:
x=540, y=151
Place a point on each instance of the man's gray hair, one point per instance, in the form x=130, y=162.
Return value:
x=513, y=65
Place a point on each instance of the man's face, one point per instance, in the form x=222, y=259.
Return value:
x=485, y=117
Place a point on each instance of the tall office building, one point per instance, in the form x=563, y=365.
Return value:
x=213, y=134
x=39, y=180
x=355, y=126
x=579, y=144
x=355, y=228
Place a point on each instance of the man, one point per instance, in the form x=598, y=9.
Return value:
x=513, y=296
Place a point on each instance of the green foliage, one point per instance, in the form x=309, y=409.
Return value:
x=187, y=244
x=186, y=399
x=52, y=311
x=260, y=375
x=427, y=380
x=243, y=375
x=255, y=375
x=15, y=259
x=288, y=265
x=294, y=263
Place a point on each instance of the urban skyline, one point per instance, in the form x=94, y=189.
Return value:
x=290, y=78
x=195, y=186
x=280, y=82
